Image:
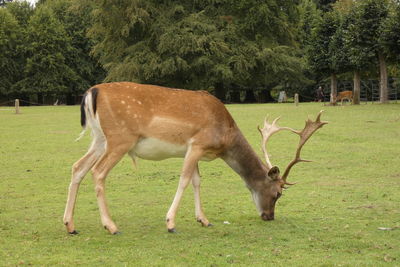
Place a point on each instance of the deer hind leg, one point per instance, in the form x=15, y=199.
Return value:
x=192, y=157
x=79, y=170
x=200, y=217
x=112, y=155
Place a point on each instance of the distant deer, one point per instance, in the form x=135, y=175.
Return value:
x=155, y=123
x=345, y=95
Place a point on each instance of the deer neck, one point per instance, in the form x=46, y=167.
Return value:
x=241, y=157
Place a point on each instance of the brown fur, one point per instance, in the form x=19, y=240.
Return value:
x=136, y=119
x=202, y=117
x=344, y=95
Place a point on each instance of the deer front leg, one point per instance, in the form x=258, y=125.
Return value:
x=189, y=167
x=200, y=217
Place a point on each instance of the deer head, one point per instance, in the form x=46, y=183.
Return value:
x=266, y=198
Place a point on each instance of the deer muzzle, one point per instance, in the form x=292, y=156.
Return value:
x=267, y=217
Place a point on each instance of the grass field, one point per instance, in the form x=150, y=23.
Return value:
x=332, y=217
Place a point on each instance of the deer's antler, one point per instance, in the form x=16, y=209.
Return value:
x=266, y=132
x=309, y=129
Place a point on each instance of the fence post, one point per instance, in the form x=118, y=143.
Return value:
x=296, y=99
x=16, y=106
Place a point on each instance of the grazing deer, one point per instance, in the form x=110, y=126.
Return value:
x=155, y=123
x=345, y=95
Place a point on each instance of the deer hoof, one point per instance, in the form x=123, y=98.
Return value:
x=73, y=232
x=117, y=233
x=205, y=224
x=172, y=231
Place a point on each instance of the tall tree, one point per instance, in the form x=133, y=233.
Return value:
x=348, y=56
x=76, y=22
x=196, y=45
x=324, y=51
x=309, y=16
x=390, y=38
x=10, y=59
x=21, y=11
x=46, y=70
x=270, y=29
x=363, y=39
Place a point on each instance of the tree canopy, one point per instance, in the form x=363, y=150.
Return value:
x=62, y=47
x=197, y=45
x=10, y=58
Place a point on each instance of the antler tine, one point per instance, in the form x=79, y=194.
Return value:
x=266, y=132
x=309, y=129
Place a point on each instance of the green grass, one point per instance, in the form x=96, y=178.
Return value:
x=330, y=218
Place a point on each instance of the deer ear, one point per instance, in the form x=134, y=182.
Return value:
x=273, y=173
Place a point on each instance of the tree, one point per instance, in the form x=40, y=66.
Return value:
x=46, y=71
x=390, y=37
x=197, y=45
x=325, y=52
x=53, y=50
x=309, y=18
x=10, y=59
x=76, y=22
x=268, y=30
x=345, y=57
x=22, y=12
x=363, y=37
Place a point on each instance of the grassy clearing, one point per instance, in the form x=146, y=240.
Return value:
x=331, y=217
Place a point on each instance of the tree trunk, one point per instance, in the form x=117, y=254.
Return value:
x=250, y=97
x=220, y=92
x=333, y=89
x=383, y=85
x=357, y=88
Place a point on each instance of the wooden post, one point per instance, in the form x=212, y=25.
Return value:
x=16, y=106
x=296, y=99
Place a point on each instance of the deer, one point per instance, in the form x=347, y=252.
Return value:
x=155, y=123
x=345, y=95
